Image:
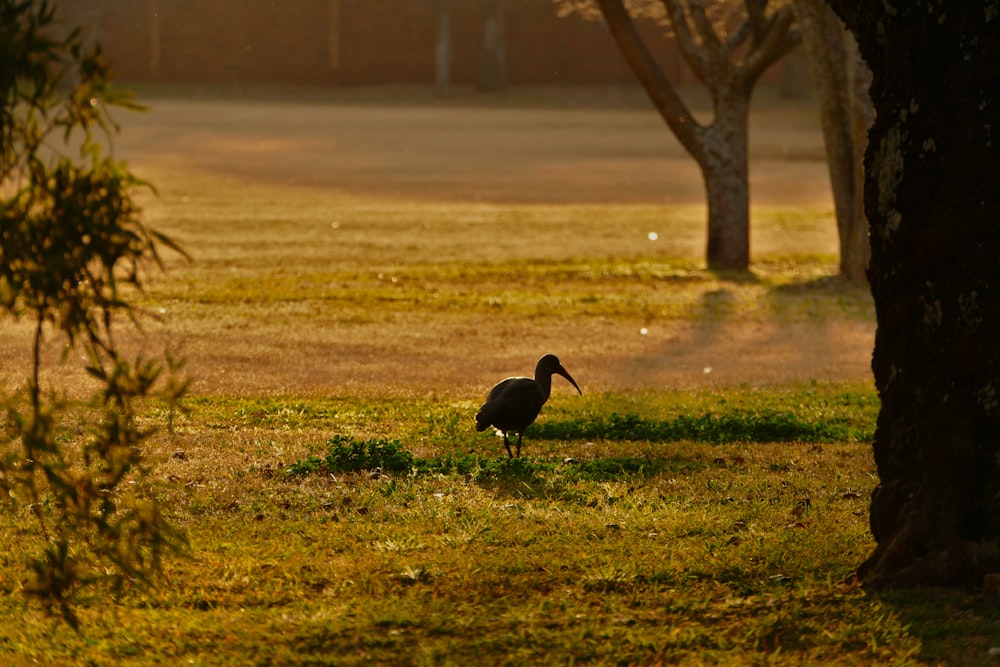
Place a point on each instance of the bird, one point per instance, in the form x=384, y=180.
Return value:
x=513, y=404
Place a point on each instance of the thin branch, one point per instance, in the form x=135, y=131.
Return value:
x=778, y=39
x=703, y=24
x=692, y=53
x=30, y=452
x=36, y=365
x=736, y=38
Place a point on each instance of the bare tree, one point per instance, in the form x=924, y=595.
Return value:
x=842, y=88
x=728, y=52
x=932, y=195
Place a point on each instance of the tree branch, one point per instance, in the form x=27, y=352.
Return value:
x=703, y=24
x=663, y=95
x=777, y=39
x=735, y=38
x=757, y=19
x=690, y=51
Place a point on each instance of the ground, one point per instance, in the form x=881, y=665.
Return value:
x=264, y=187
x=366, y=264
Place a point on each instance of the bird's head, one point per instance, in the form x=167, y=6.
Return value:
x=550, y=364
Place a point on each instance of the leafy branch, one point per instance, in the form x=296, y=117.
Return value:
x=73, y=250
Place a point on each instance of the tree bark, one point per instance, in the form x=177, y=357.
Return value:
x=932, y=195
x=724, y=166
x=856, y=250
x=834, y=59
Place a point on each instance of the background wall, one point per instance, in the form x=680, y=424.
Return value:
x=348, y=42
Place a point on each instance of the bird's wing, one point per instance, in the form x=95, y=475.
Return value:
x=500, y=387
x=511, y=405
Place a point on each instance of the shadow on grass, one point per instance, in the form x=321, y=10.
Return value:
x=731, y=276
x=955, y=627
x=520, y=477
x=823, y=297
x=710, y=428
x=529, y=478
x=812, y=297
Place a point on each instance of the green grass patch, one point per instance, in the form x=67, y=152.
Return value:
x=768, y=427
x=350, y=455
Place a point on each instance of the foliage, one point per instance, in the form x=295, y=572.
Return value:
x=711, y=33
x=72, y=248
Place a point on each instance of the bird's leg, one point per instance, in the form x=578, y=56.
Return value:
x=519, y=436
x=507, y=445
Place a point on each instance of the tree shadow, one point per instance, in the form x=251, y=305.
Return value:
x=530, y=477
x=822, y=297
x=730, y=276
x=955, y=627
x=777, y=330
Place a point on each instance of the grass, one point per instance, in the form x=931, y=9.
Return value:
x=645, y=526
x=354, y=517
x=657, y=288
x=413, y=541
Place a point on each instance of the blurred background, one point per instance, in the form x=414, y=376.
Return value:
x=487, y=43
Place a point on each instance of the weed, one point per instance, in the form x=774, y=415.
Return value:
x=345, y=454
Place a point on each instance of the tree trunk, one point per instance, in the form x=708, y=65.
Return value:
x=492, y=74
x=932, y=194
x=723, y=163
x=856, y=250
x=833, y=63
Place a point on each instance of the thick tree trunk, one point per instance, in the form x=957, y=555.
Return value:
x=932, y=195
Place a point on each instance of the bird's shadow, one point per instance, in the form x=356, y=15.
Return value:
x=528, y=477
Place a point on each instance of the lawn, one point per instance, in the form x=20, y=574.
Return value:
x=704, y=501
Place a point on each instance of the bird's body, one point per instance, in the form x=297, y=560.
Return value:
x=512, y=405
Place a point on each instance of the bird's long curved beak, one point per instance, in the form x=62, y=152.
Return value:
x=562, y=371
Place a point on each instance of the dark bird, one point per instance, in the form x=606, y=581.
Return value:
x=514, y=403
